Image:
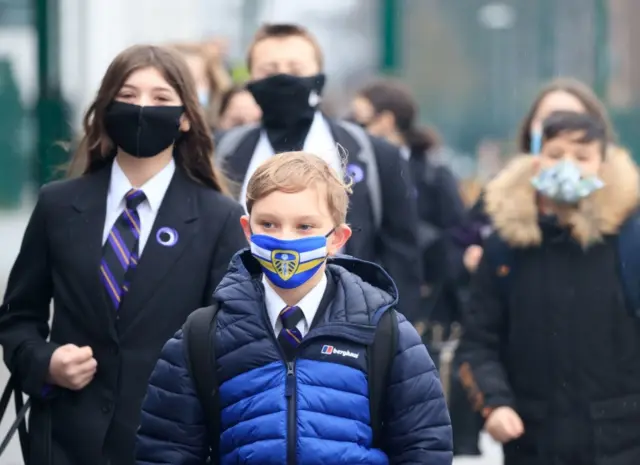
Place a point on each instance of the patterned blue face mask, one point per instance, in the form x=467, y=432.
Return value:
x=289, y=263
x=564, y=183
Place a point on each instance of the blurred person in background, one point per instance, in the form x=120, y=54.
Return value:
x=551, y=334
x=563, y=94
x=558, y=95
x=287, y=81
x=387, y=109
x=139, y=237
x=470, y=191
x=205, y=61
x=237, y=108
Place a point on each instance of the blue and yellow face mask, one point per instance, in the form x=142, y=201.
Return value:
x=289, y=263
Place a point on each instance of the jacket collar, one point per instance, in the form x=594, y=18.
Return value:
x=361, y=288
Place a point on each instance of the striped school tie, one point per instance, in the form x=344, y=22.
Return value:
x=290, y=337
x=120, y=252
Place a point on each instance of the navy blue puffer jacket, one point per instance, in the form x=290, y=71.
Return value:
x=315, y=413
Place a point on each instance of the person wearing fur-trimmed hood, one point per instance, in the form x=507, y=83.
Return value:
x=551, y=347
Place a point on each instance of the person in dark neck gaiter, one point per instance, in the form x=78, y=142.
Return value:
x=286, y=66
x=287, y=91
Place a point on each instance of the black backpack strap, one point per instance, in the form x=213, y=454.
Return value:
x=198, y=332
x=19, y=424
x=380, y=357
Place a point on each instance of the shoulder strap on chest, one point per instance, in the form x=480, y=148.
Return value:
x=629, y=262
x=368, y=156
x=380, y=357
x=198, y=332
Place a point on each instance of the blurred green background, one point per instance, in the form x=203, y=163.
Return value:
x=477, y=65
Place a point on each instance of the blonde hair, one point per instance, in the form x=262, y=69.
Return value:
x=294, y=172
x=218, y=78
x=470, y=190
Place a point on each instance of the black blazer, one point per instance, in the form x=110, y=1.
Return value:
x=395, y=244
x=59, y=259
x=441, y=211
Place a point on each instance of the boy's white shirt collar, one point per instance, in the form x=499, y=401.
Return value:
x=308, y=304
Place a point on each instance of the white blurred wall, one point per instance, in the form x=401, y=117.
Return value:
x=92, y=32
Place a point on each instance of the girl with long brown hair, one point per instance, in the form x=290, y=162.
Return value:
x=137, y=239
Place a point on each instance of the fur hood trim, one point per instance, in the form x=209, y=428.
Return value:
x=511, y=202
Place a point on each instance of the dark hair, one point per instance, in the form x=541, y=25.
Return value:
x=227, y=96
x=193, y=151
x=392, y=96
x=579, y=90
x=282, y=31
x=562, y=122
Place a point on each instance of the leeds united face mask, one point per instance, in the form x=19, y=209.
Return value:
x=289, y=263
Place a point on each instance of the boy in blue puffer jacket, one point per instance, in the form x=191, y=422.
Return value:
x=291, y=340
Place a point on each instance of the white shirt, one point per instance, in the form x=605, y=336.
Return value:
x=309, y=305
x=154, y=189
x=319, y=141
x=405, y=152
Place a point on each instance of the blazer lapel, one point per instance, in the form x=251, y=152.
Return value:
x=173, y=230
x=357, y=169
x=87, y=230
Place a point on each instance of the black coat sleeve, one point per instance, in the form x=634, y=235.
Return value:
x=451, y=210
x=485, y=330
x=230, y=240
x=399, y=251
x=24, y=315
x=451, y=214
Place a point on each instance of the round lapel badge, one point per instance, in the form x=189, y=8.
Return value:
x=355, y=172
x=167, y=237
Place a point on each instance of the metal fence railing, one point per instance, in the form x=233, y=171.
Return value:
x=476, y=65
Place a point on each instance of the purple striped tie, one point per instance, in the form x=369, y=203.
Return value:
x=120, y=252
x=290, y=337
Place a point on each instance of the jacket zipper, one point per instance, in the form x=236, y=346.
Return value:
x=289, y=390
x=292, y=427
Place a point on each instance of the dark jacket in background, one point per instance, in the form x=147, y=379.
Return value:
x=559, y=344
x=440, y=210
x=60, y=259
x=395, y=244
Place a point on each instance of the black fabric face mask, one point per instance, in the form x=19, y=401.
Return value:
x=142, y=132
x=288, y=106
